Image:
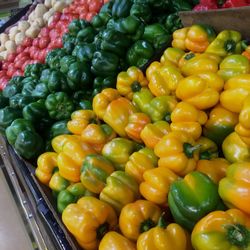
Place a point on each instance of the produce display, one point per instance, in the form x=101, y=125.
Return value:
x=204, y=5
x=140, y=151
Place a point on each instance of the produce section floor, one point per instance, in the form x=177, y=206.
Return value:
x=13, y=233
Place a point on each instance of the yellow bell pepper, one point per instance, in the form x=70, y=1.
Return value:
x=201, y=90
x=46, y=163
x=59, y=141
x=172, y=55
x=70, y=159
x=130, y=81
x=102, y=100
x=153, y=132
x=234, y=189
x=57, y=183
x=97, y=135
x=163, y=79
x=185, y=117
x=173, y=237
x=115, y=241
x=120, y=189
x=220, y=124
x=236, y=88
x=214, y=168
x=222, y=231
x=117, y=115
x=138, y=217
x=80, y=120
x=136, y=123
x=139, y=162
x=243, y=127
x=177, y=151
x=195, y=38
x=89, y=220
x=94, y=172
x=156, y=185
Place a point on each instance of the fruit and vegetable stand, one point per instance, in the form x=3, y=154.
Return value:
x=127, y=122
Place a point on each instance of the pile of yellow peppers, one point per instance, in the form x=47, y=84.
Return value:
x=163, y=160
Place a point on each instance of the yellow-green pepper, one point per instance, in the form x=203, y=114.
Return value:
x=233, y=65
x=121, y=189
x=89, y=220
x=172, y=55
x=58, y=183
x=208, y=148
x=187, y=118
x=177, y=151
x=130, y=81
x=139, y=162
x=94, y=172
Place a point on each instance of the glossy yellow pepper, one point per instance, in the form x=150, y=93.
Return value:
x=177, y=151
x=236, y=88
x=88, y=220
x=202, y=90
x=102, y=100
x=156, y=185
x=58, y=183
x=136, y=123
x=46, y=163
x=80, y=120
x=243, y=127
x=173, y=237
x=59, y=141
x=164, y=80
x=115, y=241
x=120, y=189
x=139, y=162
x=172, y=55
x=153, y=132
x=214, y=168
x=220, y=124
x=130, y=81
x=222, y=231
x=185, y=117
x=138, y=217
x=70, y=159
x=97, y=135
x=117, y=115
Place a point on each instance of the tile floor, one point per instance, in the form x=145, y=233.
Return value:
x=13, y=233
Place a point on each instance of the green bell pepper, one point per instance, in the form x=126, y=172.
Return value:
x=85, y=104
x=34, y=70
x=157, y=35
x=76, y=25
x=29, y=85
x=19, y=101
x=7, y=116
x=100, y=20
x=13, y=87
x=59, y=128
x=121, y=8
x=157, y=108
x=140, y=53
x=57, y=82
x=105, y=63
x=180, y=5
x=173, y=23
x=53, y=58
x=101, y=83
x=192, y=198
x=68, y=43
x=84, y=52
x=4, y=101
x=35, y=111
x=86, y=35
x=79, y=76
x=41, y=90
x=141, y=11
x=131, y=26
x=107, y=7
x=66, y=61
x=71, y=195
x=59, y=106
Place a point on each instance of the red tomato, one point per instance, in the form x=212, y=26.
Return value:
x=90, y=15
x=56, y=16
x=20, y=49
x=36, y=42
x=32, y=51
x=53, y=34
x=5, y=65
x=11, y=57
x=36, y=54
x=11, y=69
x=27, y=42
x=21, y=56
x=18, y=72
x=95, y=5
x=44, y=42
x=44, y=32
x=25, y=64
x=52, y=24
x=83, y=15
x=3, y=73
x=18, y=64
x=3, y=82
x=27, y=50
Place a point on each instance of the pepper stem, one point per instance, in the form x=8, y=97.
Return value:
x=146, y=225
x=102, y=230
x=230, y=45
x=190, y=149
x=238, y=235
x=135, y=86
x=189, y=56
x=167, y=117
x=205, y=155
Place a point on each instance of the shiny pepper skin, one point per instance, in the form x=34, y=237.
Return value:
x=177, y=151
x=187, y=118
x=201, y=90
x=172, y=55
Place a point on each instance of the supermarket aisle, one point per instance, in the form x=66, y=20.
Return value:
x=13, y=234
